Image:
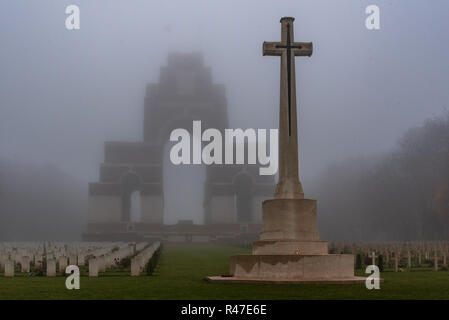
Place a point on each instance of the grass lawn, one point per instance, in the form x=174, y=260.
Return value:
x=181, y=272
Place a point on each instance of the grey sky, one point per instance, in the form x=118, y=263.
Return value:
x=63, y=93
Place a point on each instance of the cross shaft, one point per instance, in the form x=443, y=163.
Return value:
x=289, y=185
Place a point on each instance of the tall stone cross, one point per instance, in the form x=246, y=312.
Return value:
x=289, y=186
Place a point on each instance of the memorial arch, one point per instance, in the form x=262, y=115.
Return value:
x=232, y=193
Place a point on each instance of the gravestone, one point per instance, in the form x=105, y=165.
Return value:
x=38, y=260
x=101, y=264
x=62, y=264
x=107, y=261
x=290, y=249
x=73, y=260
x=81, y=259
x=25, y=264
x=51, y=268
x=435, y=261
x=409, y=259
x=136, y=265
x=396, y=261
x=93, y=268
x=9, y=268
x=373, y=258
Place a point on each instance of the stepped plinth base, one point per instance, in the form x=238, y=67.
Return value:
x=291, y=269
x=293, y=266
x=290, y=250
x=219, y=279
x=290, y=247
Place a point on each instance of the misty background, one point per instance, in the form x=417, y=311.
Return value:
x=372, y=105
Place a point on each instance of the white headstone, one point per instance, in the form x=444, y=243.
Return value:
x=435, y=262
x=38, y=260
x=25, y=263
x=73, y=260
x=409, y=259
x=101, y=264
x=51, y=268
x=9, y=268
x=93, y=268
x=62, y=264
x=136, y=266
x=81, y=261
x=396, y=262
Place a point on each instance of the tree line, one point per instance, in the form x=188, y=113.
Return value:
x=401, y=195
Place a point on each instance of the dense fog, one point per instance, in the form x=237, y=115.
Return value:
x=373, y=122
x=402, y=194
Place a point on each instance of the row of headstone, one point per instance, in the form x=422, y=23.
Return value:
x=107, y=257
x=397, y=254
x=56, y=256
x=139, y=261
x=140, y=246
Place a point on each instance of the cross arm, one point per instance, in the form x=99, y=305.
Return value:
x=270, y=49
x=302, y=48
x=277, y=48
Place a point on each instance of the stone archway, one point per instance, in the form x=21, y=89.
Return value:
x=130, y=184
x=184, y=93
x=183, y=190
x=243, y=186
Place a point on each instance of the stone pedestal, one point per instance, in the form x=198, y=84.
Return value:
x=290, y=247
x=290, y=251
x=293, y=266
x=289, y=219
x=289, y=228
